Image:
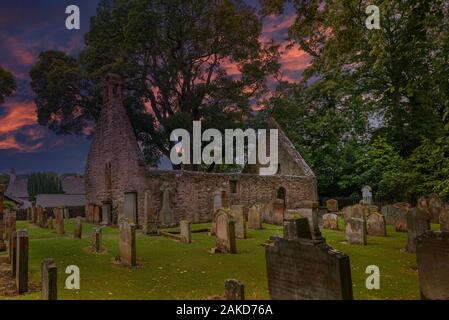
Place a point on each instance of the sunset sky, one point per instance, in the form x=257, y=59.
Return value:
x=28, y=27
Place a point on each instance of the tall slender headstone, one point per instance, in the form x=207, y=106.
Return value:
x=106, y=214
x=78, y=234
x=22, y=262
x=49, y=277
x=225, y=242
x=127, y=243
x=186, y=233
x=240, y=223
x=59, y=221
x=418, y=222
x=12, y=252
x=96, y=240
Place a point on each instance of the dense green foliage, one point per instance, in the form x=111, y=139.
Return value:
x=372, y=106
x=7, y=84
x=180, y=60
x=43, y=183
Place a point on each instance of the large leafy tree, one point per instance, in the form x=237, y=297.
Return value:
x=175, y=57
x=7, y=84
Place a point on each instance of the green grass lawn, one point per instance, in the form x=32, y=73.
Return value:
x=171, y=270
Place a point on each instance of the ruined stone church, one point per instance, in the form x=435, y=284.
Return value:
x=118, y=182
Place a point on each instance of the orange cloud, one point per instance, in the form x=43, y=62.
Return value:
x=18, y=115
x=10, y=143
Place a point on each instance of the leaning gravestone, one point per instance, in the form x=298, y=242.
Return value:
x=224, y=224
x=355, y=225
x=306, y=269
x=240, y=223
x=332, y=205
x=127, y=243
x=234, y=290
x=49, y=278
x=330, y=221
x=376, y=225
x=418, y=222
x=432, y=252
x=186, y=232
x=254, y=218
x=22, y=262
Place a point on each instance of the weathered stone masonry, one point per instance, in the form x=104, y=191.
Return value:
x=115, y=166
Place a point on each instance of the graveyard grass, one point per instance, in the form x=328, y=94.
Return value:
x=172, y=270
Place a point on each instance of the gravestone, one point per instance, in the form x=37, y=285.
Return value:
x=224, y=224
x=306, y=269
x=218, y=200
x=96, y=240
x=355, y=225
x=130, y=207
x=432, y=253
x=97, y=214
x=418, y=222
x=240, y=223
x=38, y=217
x=127, y=243
x=186, y=233
x=167, y=214
x=297, y=228
x=12, y=252
x=49, y=278
x=254, y=218
x=389, y=213
x=43, y=219
x=400, y=216
x=66, y=213
x=310, y=210
x=332, y=205
x=267, y=213
x=50, y=223
x=9, y=224
x=234, y=290
x=59, y=221
x=2, y=225
x=444, y=218
x=33, y=212
x=367, y=195
x=278, y=212
x=150, y=223
x=376, y=225
x=330, y=221
x=78, y=234
x=433, y=205
x=22, y=262
x=106, y=214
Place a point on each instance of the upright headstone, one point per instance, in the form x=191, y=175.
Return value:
x=12, y=252
x=66, y=213
x=297, y=228
x=330, y=221
x=432, y=253
x=278, y=212
x=418, y=222
x=400, y=216
x=310, y=210
x=2, y=225
x=355, y=226
x=167, y=215
x=367, y=195
x=78, y=234
x=127, y=243
x=376, y=225
x=96, y=240
x=234, y=290
x=22, y=262
x=49, y=277
x=150, y=221
x=433, y=205
x=254, y=218
x=186, y=233
x=444, y=218
x=97, y=214
x=59, y=221
x=305, y=269
x=33, y=212
x=50, y=223
x=225, y=241
x=240, y=223
x=332, y=205
x=106, y=214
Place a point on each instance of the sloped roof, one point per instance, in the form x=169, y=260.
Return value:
x=18, y=187
x=60, y=200
x=73, y=184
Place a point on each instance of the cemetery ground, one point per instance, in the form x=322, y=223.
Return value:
x=168, y=269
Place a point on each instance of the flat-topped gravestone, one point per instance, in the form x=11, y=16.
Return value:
x=332, y=205
x=240, y=223
x=418, y=222
x=310, y=210
x=330, y=221
x=444, y=218
x=78, y=228
x=49, y=278
x=432, y=253
x=305, y=269
x=278, y=212
x=59, y=221
x=297, y=228
x=376, y=225
x=186, y=232
x=234, y=290
x=401, y=210
x=127, y=243
x=254, y=218
x=225, y=232
x=355, y=225
x=22, y=262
